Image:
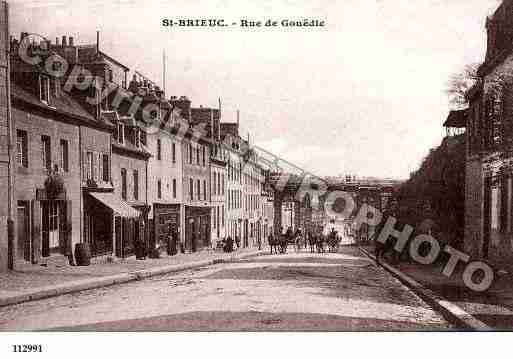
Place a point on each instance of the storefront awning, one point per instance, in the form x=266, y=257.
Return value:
x=121, y=208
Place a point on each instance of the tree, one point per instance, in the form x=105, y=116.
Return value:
x=459, y=83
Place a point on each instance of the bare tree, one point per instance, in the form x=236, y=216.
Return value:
x=459, y=83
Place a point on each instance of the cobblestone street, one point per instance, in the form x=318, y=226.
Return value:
x=295, y=291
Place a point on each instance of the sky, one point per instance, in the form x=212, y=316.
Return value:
x=364, y=95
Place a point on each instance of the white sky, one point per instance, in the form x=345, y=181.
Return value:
x=364, y=95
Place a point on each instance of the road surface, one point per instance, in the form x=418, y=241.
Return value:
x=295, y=291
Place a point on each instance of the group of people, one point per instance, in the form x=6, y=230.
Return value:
x=228, y=244
x=316, y=242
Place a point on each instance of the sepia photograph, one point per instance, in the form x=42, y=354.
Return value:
x=214, y=169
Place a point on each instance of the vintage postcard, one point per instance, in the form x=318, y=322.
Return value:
x=274, y=166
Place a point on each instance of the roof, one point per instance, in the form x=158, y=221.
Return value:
x=118, y=206
x=87, y=54
x=130, y=149
x=457, y=119
x=62, y=104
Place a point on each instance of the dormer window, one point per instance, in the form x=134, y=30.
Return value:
x=44, y=89
x=137, y=137
x=121, y=132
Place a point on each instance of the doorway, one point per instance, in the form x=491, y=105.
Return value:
x=23, y=239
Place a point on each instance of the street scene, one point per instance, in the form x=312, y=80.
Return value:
x=348, y=168
x=342, y=291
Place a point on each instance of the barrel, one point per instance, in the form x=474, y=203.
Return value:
x=83, y=254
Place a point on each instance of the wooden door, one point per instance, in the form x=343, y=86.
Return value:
x=487, y=216
x=23, y=250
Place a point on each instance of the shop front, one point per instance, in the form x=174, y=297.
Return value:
x=111, y=226
x=166, y=227
x=197, y=228
x=43, y=227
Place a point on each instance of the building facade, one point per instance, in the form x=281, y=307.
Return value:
x=7, y=163
x=489, y=161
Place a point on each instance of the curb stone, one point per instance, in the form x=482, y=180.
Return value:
x=447, y=308
x=86, y=284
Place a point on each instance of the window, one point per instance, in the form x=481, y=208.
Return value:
x=173, y=152
x=174, y=187
x=197, y=155
x=198, y=190
x=218, y=183
x=223, y=184
x=123, y=183
x=204, y=190
x=22, y=148
x=64, y=156
x=159, y=150
x=90, y=165
x=214, y=183
x=105, y=168
x=159, y=189
x=136, y=185
x=191, y=189
x=121, y=133
x=44, y=89
x=110, y=75
x=203, y=156
x=46, y=155
x=222, y=215
x=190, y=153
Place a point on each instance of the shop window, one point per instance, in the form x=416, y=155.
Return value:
x=174, y=188
x=159, y=189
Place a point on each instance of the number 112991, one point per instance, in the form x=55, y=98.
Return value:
x=27, y=348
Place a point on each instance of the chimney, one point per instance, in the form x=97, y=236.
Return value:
x=71, y=41
x=64, y=42
x=57, y=41
x=97, y=42
x=238, y=115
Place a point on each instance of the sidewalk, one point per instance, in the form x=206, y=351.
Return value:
x=32, y=282
x=494, y=308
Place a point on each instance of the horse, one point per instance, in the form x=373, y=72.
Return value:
x=297, y=242
x=312, y=242
x=274, y=243
x=284, y=242
x=320, y=244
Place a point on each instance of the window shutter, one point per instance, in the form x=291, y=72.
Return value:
x=100, y=167
x=84, y=165
x=95, y=172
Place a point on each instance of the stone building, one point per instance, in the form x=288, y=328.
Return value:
x=163, y=140
x=57, y=142
x=489, y=163
x=114, y=162
x=210, y=120
x=7, y=164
